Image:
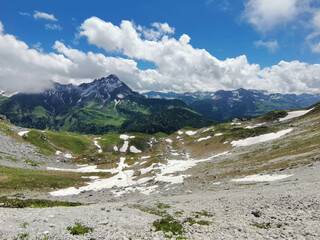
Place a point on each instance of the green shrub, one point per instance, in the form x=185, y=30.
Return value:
x=79, y=229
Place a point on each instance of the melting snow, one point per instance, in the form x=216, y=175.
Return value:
x=180, y=132
x=133, y=149
x=191, y=133
x=91, y=177
x=204, y=138
x=124, y=178
x=124, y=147
x=68, y=155
x=294, y=114
x=125, y=137
x=97, y=145
x=261, y=178
x=169, y=140
x=259, y=139
x=254, y=126
x=208, y=129
x=22, y=133
x=145, y=157
x=115, y=148
x=218, y=134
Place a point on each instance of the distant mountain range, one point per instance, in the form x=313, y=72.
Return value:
x=225, y=105
x=109, y=105
x=104, y=105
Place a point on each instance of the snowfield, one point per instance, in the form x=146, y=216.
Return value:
x=126, y=180
x=259, y=139
x=261, y=178
x=295, y=114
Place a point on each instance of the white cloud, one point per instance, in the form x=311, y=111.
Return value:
x=180, y=67
x=38, y=47
x=316, y=48
x=45, y=16
x=160, y=29
x=25, y=14
x=53, y=27
x=267, y=14
x=270, y=45
x=1, y=28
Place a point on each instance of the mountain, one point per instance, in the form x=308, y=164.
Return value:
x=225, y=105
x=97, y=107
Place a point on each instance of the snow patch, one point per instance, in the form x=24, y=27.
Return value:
x=91, y=177
x=295, y=114
x=208, y=129
x=126, y=137
x=115, y=148
x=23, y=133
x=97, y=145
x=169, y=140
x=255, y=126
x=133, y=149
x=261, y=178
x=259, y=139
x=124, y=179
x=145, y=157
x=180, y=132
x=203, y=139
x=218, y=134
x=191, y=133
x=124, y=147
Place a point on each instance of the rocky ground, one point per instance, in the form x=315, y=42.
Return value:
x=286, y=209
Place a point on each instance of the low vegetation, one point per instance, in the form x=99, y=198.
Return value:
x=79, y=229
x=6, y=202
x=17, y=180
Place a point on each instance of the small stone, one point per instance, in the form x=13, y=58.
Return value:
x=256, y=213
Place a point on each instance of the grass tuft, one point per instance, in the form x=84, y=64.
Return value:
x=79, y=229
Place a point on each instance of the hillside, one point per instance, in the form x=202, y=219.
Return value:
x=260, y=177
x=98, y=107
x=225, y=105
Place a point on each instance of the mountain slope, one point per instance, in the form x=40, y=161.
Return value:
x=225, y=105
x=97, y=107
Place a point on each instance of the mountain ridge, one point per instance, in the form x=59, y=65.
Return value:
x=100, y=106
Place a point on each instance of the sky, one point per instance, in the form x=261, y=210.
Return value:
x=176, y=45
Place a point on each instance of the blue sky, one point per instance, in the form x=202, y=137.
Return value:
x=261, y=44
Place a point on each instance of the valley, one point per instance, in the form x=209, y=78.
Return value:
x=253, y=179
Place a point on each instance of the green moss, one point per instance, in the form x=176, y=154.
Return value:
x=32, y=163
x=150, y=210
x=161, y=134
x=204, y=213
x=262, y=225
x=22, y=236
x=168, y=224
x=163, y=206
x=33, y=203
x=79, y=229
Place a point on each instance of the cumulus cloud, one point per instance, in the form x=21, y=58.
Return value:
x=1, y=27
x=43, y=15
x=180, y=67
x=53, y=27
x=266, y=14
x=270, y=45
x=158, y=30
